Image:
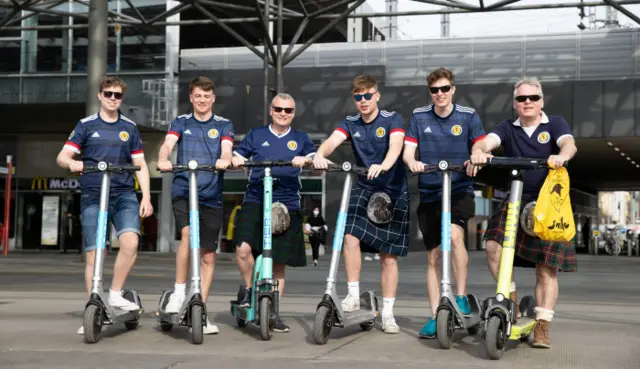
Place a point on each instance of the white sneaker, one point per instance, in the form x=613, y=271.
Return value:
x=389, y=325
x=174, y=304
x=119, y=302
x=81, y=331
x=368, y=258
x=210, y=328
x=350, y=303
x=377, y=257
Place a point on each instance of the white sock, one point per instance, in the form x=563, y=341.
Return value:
x=544, y=314
x=114, y=294
x=354, y=289
x=179, y=289
x=387, y=306
x=513, y=287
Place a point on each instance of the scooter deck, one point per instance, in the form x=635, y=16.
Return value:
x=115, y=315
x=522, y=328
x=465, y=321
x=173, y=318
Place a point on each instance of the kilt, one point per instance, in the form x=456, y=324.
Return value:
x=532, y=251
x=287, y=248
x=391, y=238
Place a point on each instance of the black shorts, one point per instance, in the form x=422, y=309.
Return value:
x=463, y=208
x=210, y=222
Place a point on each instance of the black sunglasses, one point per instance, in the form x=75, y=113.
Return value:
x=278, y=109
x=367, y=96
x=523, y=98
x=444, y=89
x=108, y=94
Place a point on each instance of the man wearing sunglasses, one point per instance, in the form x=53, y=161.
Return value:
x=276, y=141
x=443, y=131
x=376, y=136
x=208, y=139
x=532, y=135
x=110, y=136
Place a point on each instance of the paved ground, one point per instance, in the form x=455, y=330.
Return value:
x=597, y=324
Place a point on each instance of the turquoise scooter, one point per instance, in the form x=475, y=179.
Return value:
x=264, y=300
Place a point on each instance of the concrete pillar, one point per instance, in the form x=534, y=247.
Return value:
x=97, y=52
x=67, y=43
x=166, y=226
x=29, y=45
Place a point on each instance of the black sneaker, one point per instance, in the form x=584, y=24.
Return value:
x=246, y=300
x=280, y=327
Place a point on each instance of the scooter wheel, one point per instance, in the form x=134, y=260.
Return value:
x=91, y=324
x=367, y=326
x=444, y=328
x=166, y=327
x=265, y=318
x=131, y=325
x=241, y=322
x=196, y=324
x=495, y=338
x=322, y=325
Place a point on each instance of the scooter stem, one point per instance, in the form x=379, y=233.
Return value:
x=338, y=237
x=510, y=236
x=446, y=232
x=194, y=230
x=267, y=259
x=101, y=235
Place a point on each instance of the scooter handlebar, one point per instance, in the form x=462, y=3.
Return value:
x=442, y=165
x=267, y=163
x=348, y=167
x=107, y=167
x=186, y=168
x=520, y=163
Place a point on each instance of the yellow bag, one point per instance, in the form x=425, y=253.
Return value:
x=553, y=216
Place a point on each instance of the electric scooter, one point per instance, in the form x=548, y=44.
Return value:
x=265, y=297
x=329, y=311
x=193, y=312
x=499, y=311
x=449, y=317
x=97, y=311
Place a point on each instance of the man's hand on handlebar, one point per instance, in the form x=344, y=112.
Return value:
x=375, y=170
x=76, y=166
x=557, y=161
x=165, y=165
x=300, y=161
x=320, y=162
x=237, y=161
x=222, y=164
x=416, y=166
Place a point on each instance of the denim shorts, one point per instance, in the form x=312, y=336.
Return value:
x=124, y=214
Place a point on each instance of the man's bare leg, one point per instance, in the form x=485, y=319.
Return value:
x=352, y=264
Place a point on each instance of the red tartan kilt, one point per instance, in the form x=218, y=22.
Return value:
x=532, y=251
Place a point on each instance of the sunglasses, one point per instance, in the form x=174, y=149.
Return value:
x=278, y=109
x=116, y=95
x=523, y=98
x=444, y=89
x=367, y=96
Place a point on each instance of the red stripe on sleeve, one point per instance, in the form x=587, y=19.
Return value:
x=174, y=133
x=411, y=139
x=73, y=144
x=397, y=130
x=137, y=152
x=478, y=138
x=343, y=132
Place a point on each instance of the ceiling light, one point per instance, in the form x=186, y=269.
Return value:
x=637, y=165
x=633, y=162
x=628, y=158
x=609, y=143
x=621, y=154
x=617, y=149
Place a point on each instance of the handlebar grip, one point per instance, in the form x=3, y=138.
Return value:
x=127, y=168
x=518, y=163
x=267, y=163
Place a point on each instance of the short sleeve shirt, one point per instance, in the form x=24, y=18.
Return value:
x=201, y=141
x=117, y=143
x=443, y=138
x=532, y=142
x=263, y=144
x=370, y=142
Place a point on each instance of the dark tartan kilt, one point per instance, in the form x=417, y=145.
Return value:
x=287, y=248
x=532, y=251
x=391, y=238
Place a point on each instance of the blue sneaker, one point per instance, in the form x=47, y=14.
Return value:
x=463, y=304
x=429, y=329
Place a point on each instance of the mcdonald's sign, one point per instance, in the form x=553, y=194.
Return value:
x=39, y=183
